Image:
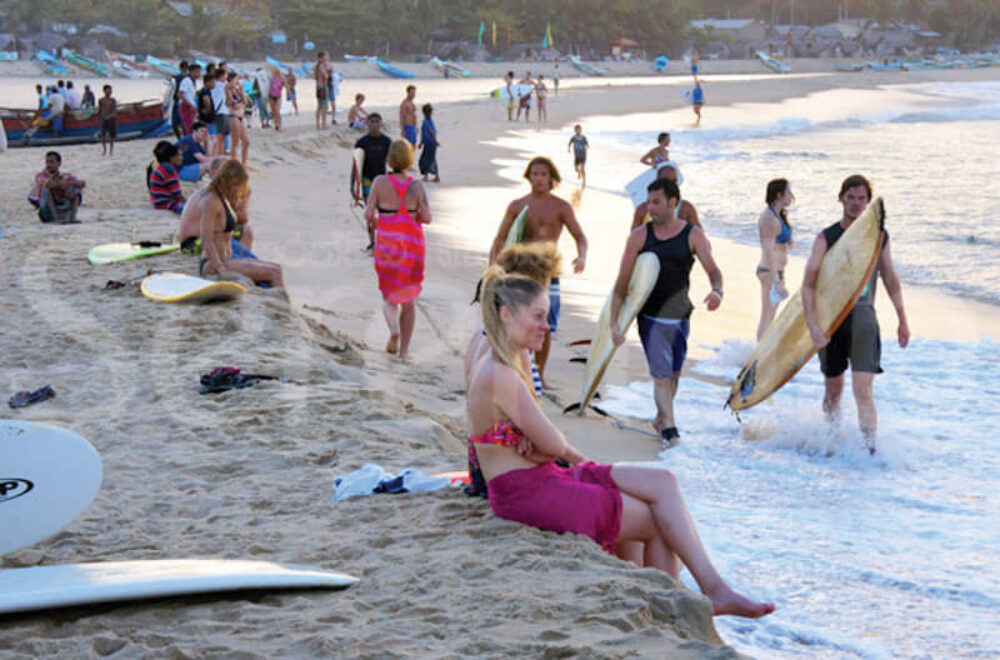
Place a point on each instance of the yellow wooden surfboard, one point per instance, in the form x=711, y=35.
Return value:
x=602, y=348
x=787, y=345
x=180, y=288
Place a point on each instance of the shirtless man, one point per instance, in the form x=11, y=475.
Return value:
x=357, y=117
x=541, y=91
x=323, y=73
x=408, y=116
x=685, y=210
x=525, y=101
x=544, y=222
x=218, y=220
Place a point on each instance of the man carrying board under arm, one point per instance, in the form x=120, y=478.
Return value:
x=664, y=320
x=544, y=221
x=857, y=340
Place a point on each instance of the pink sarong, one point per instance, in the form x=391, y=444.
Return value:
x=399, y=251
x=582, y=499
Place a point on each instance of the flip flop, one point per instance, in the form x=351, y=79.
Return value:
x=25, y=398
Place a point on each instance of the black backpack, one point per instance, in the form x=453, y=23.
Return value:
x=206, y=107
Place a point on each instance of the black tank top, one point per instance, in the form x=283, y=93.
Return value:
x=832, y=234
x=669, y=299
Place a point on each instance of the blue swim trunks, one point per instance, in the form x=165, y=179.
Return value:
x=411, y=134
x=190, y=172
x=665, y=344
x=554, y=305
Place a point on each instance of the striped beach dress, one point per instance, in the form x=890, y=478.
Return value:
x=399, y=251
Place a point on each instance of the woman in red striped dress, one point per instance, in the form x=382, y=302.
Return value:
x=397, y=207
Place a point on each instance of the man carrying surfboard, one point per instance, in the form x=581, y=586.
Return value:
x=544, y=221
x=857, y=340
x=664, y=320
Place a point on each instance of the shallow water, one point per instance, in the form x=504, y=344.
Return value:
x=871, y=558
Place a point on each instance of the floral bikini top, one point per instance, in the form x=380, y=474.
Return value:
x=502, y=433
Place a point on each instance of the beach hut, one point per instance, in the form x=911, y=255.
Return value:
x=621, y=46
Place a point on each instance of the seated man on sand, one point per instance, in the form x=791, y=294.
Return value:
x=218, y=221
x=195, y=161
x=57, y=195
x=163, y=181
x=357, y=117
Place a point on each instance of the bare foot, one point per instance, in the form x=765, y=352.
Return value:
x=393, y=344
x=728, y=601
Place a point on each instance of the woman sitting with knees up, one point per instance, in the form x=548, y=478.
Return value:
x=218, y=215
x=516, y=446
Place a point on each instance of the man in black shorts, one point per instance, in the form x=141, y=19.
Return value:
x=857, y=340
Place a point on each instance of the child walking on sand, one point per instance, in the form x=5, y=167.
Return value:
x=429, y=143
x=579, y=144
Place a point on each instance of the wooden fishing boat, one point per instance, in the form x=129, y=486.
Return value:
x=135, y=120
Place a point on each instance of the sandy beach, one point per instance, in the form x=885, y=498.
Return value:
x=248, y=473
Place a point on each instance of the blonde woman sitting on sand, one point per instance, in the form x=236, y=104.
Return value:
x=540, y=262
x=516, y=446
x=218, y=221
x=396, y=209
x=775, y=240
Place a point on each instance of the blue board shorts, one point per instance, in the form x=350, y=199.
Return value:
x=665, y=343
x=554, y=300
x=411, y=134
x=190, y=172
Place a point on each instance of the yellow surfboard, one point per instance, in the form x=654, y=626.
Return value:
x=180, y=288
x=787, y=345
x=602, y=349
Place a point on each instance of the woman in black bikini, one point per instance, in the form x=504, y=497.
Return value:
x=218, y=220
x=236, y=102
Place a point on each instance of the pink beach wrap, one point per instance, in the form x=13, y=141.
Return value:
x=582, y=499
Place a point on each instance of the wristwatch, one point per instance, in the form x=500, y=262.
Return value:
x=718, y=290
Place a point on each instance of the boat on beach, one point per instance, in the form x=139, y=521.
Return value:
x=773, y=64
x=163, y=67
x=87, y=63
x=390, y=70
x=135, y=120
x=586, y=68
x=8, y=56
x=127, y=67
x=50, y=63
x=448, y=68
x=285, y=68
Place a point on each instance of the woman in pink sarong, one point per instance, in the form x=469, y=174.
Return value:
x=635, y=510
x=397, y=206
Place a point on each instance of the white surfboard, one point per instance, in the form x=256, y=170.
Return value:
x=181, y=288
x=637, y=187
x=516, y=232
x=517, y=90
x=47, y=587
x=357, y=170
x=602, y=348
x=48, y=476
x=114, y=252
